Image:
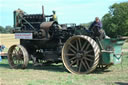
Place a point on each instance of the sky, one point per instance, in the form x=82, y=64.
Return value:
x=68, y=11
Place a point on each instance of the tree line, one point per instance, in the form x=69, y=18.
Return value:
x=7, y=29
x=115, y=22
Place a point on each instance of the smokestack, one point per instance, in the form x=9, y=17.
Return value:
x=43, y=11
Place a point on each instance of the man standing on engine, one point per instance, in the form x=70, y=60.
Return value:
x=54, y=16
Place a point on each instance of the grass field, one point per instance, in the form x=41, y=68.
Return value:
x=58, y=75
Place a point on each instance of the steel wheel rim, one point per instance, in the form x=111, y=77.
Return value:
x=17, y=57
x=78, y=55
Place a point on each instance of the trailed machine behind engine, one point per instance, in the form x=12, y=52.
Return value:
x=44, y=41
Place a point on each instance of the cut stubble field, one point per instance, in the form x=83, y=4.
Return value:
x=56, y=74
x=8, y=40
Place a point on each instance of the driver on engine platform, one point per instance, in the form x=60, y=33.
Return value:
x=96, y=30
x=97, y=22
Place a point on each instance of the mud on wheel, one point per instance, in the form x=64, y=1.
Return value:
x=80, y=54
x=18, y=57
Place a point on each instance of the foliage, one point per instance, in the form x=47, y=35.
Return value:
x=86, y=25
x=7, y=29
x=2, y=30
x=116, y=21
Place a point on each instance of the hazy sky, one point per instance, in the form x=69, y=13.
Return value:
x=68, y=11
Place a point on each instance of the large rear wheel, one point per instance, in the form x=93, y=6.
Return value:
x=80, y=54
x=18, y=57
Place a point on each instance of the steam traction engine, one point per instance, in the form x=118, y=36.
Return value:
x=44, y=41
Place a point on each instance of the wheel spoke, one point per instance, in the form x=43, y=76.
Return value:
x=13, y=56
x=87, y=64
x=72, y=58
x=89, y=51
x=87, y=46
x=91, y=56
x=82, y=48
x=80, y=67
x=73, y=46
x=84, y=64
x=79, y=43
x=73, y=62
x=69, y=54
x=72, y=50
x=21, y=61
x=15, y=51
x=12, y=62
x=16, y=61
x=88, y=59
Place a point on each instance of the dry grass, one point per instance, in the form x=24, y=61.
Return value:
x=8, y=40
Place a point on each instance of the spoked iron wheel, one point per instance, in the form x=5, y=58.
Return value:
x=18, y=57
x=80, y=54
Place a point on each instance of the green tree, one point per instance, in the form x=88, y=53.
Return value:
x=8, y=29
x=116, y=21
x=2, y=30
x=87, y=25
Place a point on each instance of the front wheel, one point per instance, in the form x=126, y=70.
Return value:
x=18, y=57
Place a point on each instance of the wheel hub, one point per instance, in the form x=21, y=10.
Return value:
x=85, y=53
x=79, y=55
